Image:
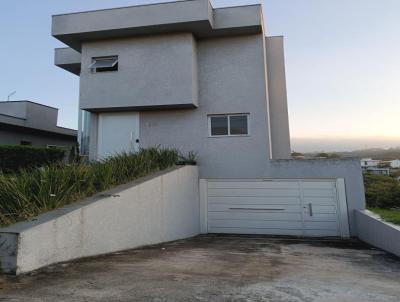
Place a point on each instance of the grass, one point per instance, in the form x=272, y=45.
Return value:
x=26, y=194
x=389, y=215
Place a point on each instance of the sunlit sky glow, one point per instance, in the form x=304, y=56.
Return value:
x=342, y=61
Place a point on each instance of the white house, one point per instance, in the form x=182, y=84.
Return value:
x=377, y=171
x=395, y=164
x=369, y=162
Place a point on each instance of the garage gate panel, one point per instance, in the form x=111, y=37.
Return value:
x=275, y=207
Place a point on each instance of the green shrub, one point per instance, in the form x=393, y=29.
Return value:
x=389, y=215
x=31, y=192
x=381, y=191
x=13, y=158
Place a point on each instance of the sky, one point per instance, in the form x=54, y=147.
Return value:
x=342, y=65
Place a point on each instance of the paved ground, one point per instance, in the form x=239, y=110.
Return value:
x=216, y=268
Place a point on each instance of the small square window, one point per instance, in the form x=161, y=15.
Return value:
x=219, y=125
x=238, y=124
x=104, y=64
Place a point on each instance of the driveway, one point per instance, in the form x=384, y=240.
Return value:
x=219, y=268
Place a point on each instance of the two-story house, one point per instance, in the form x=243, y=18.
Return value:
x=189, y=76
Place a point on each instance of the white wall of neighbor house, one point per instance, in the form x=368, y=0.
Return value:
x=162, y=208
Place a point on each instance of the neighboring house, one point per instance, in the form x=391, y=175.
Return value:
x=369, y=162
x=395, y=164
x=186, y=75
x=378, y=171
x=29, y=123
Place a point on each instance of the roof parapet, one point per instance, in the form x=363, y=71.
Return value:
x=195, y=16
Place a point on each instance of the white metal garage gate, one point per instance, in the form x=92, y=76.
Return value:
x=275, y=207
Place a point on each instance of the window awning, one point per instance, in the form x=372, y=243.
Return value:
x=104, y=62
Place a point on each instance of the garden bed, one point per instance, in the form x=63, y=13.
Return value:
x=28, y=193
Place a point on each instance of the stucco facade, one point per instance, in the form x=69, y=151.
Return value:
x=179, y=64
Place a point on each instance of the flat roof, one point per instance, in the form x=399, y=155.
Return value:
x=195, y=16
x=27, y=101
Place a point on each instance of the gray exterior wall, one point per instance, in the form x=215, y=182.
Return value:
x=32, y=122
x=156, y=71
x=230, y=81
x=279, y=120
x=41, y=117
x=14, y=109
x=14, y=136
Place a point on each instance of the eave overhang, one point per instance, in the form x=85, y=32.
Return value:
x=195, y=16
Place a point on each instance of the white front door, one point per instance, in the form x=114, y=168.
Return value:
x=276, y=207
x=118, y=132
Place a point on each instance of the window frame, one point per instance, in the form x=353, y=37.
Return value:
x=95, y=59
x=228, y=115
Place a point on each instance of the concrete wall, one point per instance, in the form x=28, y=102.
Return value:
x=68, y=59
x=156, y=71
x=372, y=230
x=153, y=210
x=279, y=118
x=41, y=117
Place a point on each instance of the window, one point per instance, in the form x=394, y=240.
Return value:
x=84, y=132
x=26, y=143
x=56, y=147
x=228, y=125
x=104, y=64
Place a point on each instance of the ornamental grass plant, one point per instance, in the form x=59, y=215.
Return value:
x=30, y=192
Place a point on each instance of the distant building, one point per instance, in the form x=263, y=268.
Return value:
x=30, y=123
x=378, y=171
x=369, y=162
x=395, y=164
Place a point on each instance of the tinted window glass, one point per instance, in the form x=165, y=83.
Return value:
x=238, y=124
x=219, y=125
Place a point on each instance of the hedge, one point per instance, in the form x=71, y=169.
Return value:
x=381, y=191
x=14, y=158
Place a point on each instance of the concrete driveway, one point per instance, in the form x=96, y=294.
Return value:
x=219, y=268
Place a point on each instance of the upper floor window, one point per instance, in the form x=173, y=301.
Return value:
x=228, y=124
x=102, y=64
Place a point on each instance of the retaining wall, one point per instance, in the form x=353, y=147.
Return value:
x=373, y=230
x=163, y=207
